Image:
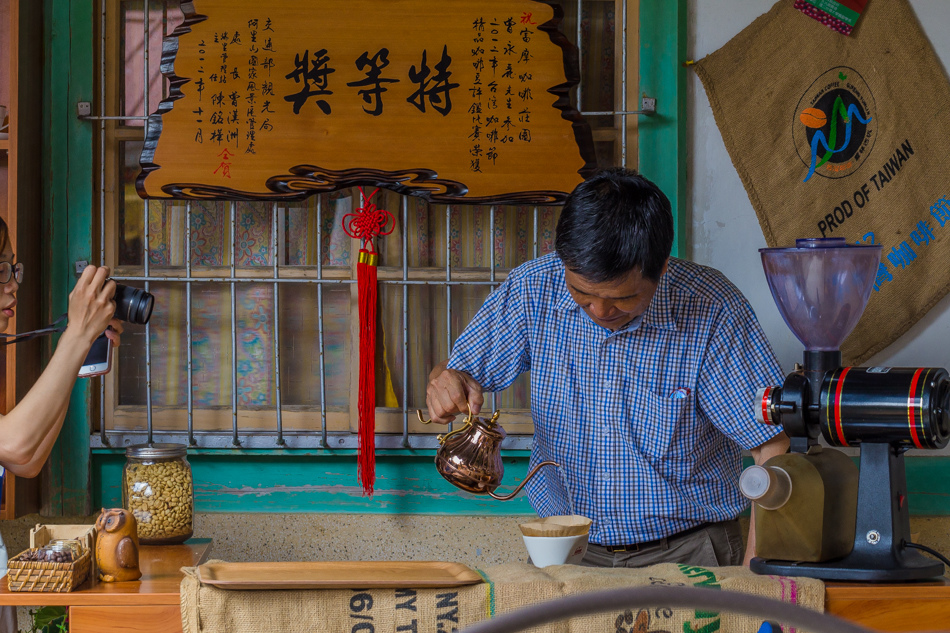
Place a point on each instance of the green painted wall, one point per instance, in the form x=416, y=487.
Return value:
x=68, y=226
x=319, y=481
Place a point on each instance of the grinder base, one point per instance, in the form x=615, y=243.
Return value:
x=881, y=531
x=912, y=566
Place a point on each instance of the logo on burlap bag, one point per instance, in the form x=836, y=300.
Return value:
x=836, y=125
x=847, y=142
x=627, y=623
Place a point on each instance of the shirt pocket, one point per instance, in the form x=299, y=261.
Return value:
x=654, y=421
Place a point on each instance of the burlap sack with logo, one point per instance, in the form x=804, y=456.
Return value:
x=837, y=136
x=205, y=608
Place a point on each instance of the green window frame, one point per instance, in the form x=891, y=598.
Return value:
x=240, y=480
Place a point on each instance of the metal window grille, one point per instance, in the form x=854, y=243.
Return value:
x=613, y=123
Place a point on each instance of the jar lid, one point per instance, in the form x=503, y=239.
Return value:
x=73, y=546
x=157, y=451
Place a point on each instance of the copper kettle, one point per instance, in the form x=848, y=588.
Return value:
x=470, y=457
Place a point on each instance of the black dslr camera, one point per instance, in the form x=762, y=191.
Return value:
x=133, y=305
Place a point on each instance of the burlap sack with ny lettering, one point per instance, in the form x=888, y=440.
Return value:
x=206, y=609
x=845, y=136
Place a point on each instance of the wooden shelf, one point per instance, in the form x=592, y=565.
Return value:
x=161, y=578
x=4, y=144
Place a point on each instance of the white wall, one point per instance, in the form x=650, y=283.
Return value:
x=725, y=232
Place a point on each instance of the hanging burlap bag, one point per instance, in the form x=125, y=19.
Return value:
x=837, y=136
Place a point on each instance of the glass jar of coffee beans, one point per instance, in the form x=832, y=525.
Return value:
x=158, y=489
x=51, y=553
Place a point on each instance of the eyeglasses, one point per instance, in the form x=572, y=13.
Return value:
x=8, y=271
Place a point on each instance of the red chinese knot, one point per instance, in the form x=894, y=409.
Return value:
x=368, y=222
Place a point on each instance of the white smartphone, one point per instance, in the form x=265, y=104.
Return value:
x=99, y=359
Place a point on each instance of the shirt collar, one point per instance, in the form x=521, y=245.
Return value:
x=659, y=314
x=562, y=298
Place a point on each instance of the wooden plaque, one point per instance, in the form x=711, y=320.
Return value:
x=450, y=100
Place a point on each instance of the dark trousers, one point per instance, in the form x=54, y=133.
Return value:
x=715, y=545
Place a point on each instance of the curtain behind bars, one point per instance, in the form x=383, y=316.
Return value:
x=470, y=241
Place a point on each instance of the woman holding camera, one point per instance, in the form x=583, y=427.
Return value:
x=28, y=432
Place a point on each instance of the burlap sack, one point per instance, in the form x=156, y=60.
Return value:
x=206, y=609
x=878, y=100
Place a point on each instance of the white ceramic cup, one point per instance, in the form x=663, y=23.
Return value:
x=556, y=550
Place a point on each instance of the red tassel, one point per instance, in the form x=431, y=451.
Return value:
x=366, y=283
x=366, y=224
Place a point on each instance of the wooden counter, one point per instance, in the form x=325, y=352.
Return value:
x=923, y=606
x=149, y=605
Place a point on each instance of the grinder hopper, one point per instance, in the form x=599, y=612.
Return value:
x=821, y=288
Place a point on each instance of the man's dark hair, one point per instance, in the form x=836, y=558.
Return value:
x=612, y=223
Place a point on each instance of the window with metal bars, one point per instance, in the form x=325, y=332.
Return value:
x=253, y=339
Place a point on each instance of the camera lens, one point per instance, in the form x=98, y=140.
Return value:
x=133, y=304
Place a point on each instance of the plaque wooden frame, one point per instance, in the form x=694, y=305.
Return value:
x=303, y=180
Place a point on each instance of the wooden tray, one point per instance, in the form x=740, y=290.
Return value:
x=336, y=575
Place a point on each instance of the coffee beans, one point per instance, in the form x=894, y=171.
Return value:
x=159, y=495
x=44, y=555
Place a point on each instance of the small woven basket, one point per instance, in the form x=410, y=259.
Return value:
x=31, y=575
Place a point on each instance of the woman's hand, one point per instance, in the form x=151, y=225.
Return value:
x=451, y=392
x=91, y=308
x=114, y=332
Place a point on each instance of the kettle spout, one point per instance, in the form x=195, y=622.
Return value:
x=521, y=485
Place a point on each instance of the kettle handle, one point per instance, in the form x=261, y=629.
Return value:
x=523, y=482
x=424, y=421
x=494, y=416
x=468, y=422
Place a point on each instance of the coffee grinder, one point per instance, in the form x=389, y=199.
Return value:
x=821, y=287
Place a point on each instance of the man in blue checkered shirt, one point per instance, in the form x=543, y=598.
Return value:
x=644, y=370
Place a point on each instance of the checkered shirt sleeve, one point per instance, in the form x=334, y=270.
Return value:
x=493, y=349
